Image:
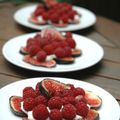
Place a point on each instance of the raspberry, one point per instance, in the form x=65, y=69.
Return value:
x=45, y=16
x=37, y=88
x=41, y=56
x=59, y=52
x=68, y=35
x=54, y=18
x=80, y=98
x=68, y=99
x=40, y=100
x=29, y=92
x=68, y=51
x=55, y=44
x=55, y=102
x=69, y=112
x=78, y=91
x=55, y=114
x=63, y=44
x=48, y=49
x=29, y=104
x=81, y=109
x=67, y=92
x=40, y=112
x=64, y=18
x=33, y=49
x=71, y=42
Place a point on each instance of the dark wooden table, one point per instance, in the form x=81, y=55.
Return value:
x=105, y=74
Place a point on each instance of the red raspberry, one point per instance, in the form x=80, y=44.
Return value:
x=29, y=92
x=48, y=49
x=40, y=100
x=40, y=112
x=55, y=102
x=54, y=18
x=55, y=114
x=82, y=109
x=37, y=88
x=59, y=52
x=63, y=43
x=69, y=112
x=33, y=49
x=80, y=98
x=68, y=35
x=71, y=42
x=68, y=51
x=55, y=44
x=67, y=92
x=45, y=16
x=29, y=104
x=68, y=99
x=41, y=56
x=64, y=18
x=78, y=91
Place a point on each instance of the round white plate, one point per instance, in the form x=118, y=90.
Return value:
x=92, y=53
x=109, y=110
x=87, y=19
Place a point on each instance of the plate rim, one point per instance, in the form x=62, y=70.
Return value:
x=35, y=27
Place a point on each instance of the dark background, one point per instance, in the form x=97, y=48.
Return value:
x=107, y=8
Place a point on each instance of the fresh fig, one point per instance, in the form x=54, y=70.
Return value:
x=23, y=51
x=92, y=99
x=34, y=61
x=49, y=86
x=92, y=115
x=15, y=105
x=76, y=52
x=65, y=60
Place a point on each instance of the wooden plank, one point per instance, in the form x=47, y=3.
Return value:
x=109, y=69
x=109, y=29
x=112, y=54
x=100, y=39
x=5, y=80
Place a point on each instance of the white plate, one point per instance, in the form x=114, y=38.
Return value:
x=87, y=19
x=109, y=110
x=92, y=53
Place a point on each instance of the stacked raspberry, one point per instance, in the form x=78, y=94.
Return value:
x=66, y=104
x=40, y=47
x=60, y=12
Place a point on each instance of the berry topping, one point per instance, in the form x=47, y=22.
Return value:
x=55, y=102
x=59, y=52
x=55, y=114
x=71, y=42
x=40, y=112
x=33, y=49
x=82, y=109
x=29, y=104
x=40, y=100
x=69, y=112
x=41, y=56
x=29, y=92
x=78, y=91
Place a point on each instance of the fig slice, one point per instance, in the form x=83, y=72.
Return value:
x=65, y=60
x=23, y=51
x=34, y=61
x=93, y=100
x=49, y=86
x=15, y=105
x=76, y=52
x=92, y=115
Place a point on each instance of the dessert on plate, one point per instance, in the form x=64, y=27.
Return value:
x=50, y=47
x=59, y=15
x=54, y=100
